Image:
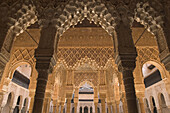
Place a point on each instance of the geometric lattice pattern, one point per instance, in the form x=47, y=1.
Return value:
x=23, y=55
x=147, y=54
x=85, y=76
x=72, y=55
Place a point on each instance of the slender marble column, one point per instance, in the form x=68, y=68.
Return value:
x=54, y=106
x=96, y=100
x=11, y=110
x=82, y=109
x=20, y=110
x=113, y=108
x=57, y=108
x=75, y=107
x=89, y=109
x=62, y=107
x=141, y=104
x=68, y=105
x=103, y=105
x=96, y=104
x=117, y=106
x=76, y=99
x=109, y=107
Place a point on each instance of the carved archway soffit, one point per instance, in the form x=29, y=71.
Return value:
x=22, y=13
x=63, y=15
x=149, y=17
x=18, y=16
x=91, y=63
x=66, y=15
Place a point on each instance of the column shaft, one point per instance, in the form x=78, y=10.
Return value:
x=43, y=54
x=68, y=105
x=103, y=105
x=62, y=108
x=40, y=90
x=57, y=108
x=113, y=108
x=54, y=106
x=54, y=109
x=109, y=107
x=130, y=91
x=82, y=109
x=76, y=99
x=117, y=106
x=95, y=104
x=75, y=107
x=141, y=104
x=125, y=58
x=11, y=110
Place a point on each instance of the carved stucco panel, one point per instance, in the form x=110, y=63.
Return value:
x=72, y=55
x=23, y=55
x=80, y=77
x=148, y=54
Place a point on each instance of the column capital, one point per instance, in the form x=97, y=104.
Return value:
x=69, y=95
x=102, y=96
x=62, y=103
x=44, y=54
x=76, y=100
x=109, y=103
x=96, y=100
x=125, y=51
x=125, y=13
x=126, y=62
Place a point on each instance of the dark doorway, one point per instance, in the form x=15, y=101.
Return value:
x=86, y=109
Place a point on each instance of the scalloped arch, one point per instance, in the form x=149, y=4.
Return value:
x=93, y=65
